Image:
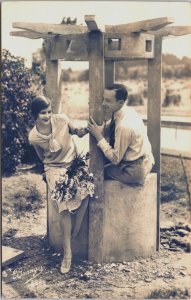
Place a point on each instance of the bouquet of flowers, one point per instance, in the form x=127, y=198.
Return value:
x=77, y=177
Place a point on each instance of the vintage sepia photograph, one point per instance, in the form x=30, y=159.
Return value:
x=96, y=149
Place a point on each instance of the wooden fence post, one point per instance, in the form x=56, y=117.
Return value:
x=154, y=116
x=53, y=79
x=96, y=87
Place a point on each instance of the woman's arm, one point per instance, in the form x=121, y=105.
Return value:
x=80, y=132
x=39, y=152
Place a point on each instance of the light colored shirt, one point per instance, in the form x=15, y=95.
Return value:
x=58, y=148
x=131, y=141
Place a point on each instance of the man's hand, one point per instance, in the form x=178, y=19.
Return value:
x=95, y=130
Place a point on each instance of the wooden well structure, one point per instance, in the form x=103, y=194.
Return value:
x=102, y=47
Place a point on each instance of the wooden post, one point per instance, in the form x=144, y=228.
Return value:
x=109, y=72
x=96, y=87
x=154, y=116
x=53, y=79
x=109, y=80
x=53, y=91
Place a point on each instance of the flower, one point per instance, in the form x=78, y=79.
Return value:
x=77, y=177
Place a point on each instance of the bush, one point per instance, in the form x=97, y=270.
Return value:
x=17, y=93
x=84, y=76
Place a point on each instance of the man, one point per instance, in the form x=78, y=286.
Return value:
x=129, y=149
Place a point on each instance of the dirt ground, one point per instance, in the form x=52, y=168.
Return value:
x=166, y=274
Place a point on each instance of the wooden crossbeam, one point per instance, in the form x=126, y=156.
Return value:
x=174, y=30
x=123, y=46
x=30, y=34
x=50, y=28
x=137, y=27
x=91, y=23
x=73, y=47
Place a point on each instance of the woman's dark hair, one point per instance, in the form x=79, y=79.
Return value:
x=121, y=91
x=39, y=103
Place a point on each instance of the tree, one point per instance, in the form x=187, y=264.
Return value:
x=39, y=68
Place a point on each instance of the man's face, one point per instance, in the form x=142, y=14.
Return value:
x=110, y=102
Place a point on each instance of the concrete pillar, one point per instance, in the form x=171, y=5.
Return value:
x=129, y=223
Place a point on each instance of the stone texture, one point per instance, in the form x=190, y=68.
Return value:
x=129, y=218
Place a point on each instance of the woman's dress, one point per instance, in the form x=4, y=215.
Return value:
x=68, y=179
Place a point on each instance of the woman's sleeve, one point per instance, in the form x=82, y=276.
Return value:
x=72, y=127
x=39, y=152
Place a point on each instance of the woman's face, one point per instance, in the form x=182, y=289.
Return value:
x=44, y=116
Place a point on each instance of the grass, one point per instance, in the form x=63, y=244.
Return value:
x=173, y=180
x=22, y=194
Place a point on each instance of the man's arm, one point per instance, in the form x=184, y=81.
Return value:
x=123, y=138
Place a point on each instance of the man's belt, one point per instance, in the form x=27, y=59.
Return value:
x=134, y=161
x=139, y=159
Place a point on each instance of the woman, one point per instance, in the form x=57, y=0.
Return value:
x=52, y=139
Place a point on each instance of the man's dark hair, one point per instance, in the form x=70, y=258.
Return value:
x=121, y=91
x=39, y=103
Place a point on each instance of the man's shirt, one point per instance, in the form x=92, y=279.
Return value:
x=131, y=141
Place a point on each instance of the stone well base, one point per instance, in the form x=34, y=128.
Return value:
x=79, y=245
x=130, y=220
x=129, y=229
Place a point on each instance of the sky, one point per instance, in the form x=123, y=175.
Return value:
x=106, y=13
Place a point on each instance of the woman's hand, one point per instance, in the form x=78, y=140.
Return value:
x=81, y=131
x=95, y=130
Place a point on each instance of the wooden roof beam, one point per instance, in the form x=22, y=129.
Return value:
x=138, y=27
x=92, y=25
x=31, y=35
x=50, y=28
x=174, y=30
